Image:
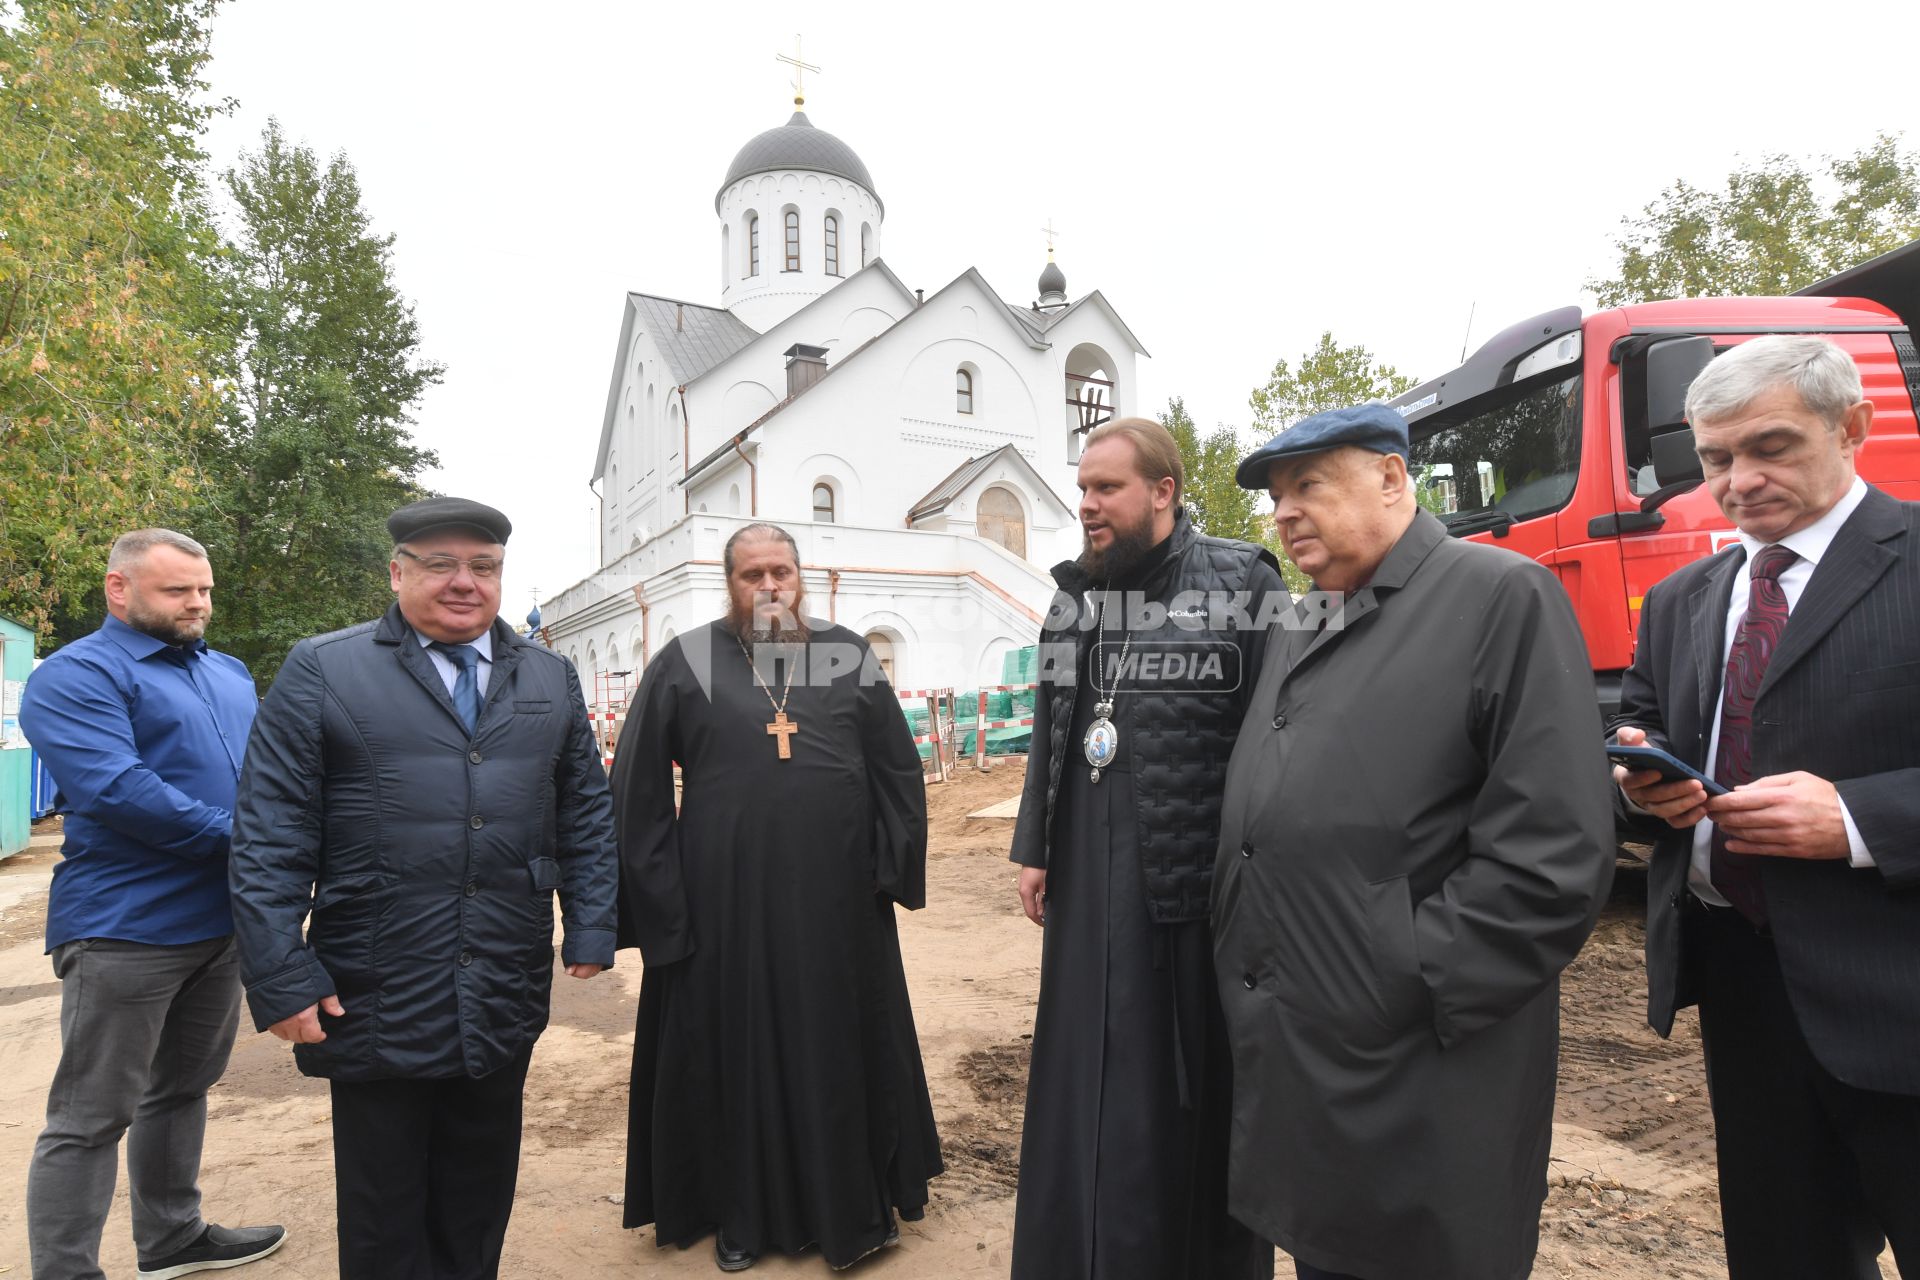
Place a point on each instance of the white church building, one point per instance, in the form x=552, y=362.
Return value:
x=921, y=451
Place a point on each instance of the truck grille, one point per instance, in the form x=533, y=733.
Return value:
x=1903, y=347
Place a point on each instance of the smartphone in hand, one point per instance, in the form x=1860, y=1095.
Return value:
x=1669, y=766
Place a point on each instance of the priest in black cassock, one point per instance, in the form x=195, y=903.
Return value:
x=1147, y=658
x=778, y=1097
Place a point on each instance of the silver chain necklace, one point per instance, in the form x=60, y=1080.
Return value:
x=1103, y=737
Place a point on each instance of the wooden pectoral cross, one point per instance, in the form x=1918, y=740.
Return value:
x=784, y=729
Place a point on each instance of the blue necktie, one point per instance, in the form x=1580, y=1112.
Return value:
x=466, y=685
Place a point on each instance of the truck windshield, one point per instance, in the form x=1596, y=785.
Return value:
x=1514, y=457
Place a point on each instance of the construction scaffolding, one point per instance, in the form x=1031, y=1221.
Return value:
x=607, y=711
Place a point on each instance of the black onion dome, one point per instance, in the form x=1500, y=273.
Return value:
x=798, y=145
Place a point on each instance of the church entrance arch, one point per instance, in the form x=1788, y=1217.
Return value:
x=881, y=642
x=1002, y=519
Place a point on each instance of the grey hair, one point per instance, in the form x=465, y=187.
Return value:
x=129, y=549
x=1824, y=377
x=759, y=531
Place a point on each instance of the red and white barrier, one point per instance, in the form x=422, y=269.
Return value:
x=981, y=724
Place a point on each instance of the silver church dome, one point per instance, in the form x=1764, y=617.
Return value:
x=798, y=145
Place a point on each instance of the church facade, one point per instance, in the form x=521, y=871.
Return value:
x=921, y=449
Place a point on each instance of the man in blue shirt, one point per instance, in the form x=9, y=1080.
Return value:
x=142, y=727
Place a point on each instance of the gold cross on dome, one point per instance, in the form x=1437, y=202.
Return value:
x=1049, y=233
x=800, y=70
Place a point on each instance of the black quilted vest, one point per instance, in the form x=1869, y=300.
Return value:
x=1178, y=742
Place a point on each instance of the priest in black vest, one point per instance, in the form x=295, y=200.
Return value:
x=778, y=1098
x=1147, y=657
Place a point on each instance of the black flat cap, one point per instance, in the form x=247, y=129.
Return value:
x=1370, y=426
x=431, y=515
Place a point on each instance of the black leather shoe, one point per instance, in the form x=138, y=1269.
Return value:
x=217, y=1249
x=729, y=1256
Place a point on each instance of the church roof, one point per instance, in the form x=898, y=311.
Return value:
x=971, y=472
x=693, y=338
x=798, y=145
x=941, y=496
x=1040, y=322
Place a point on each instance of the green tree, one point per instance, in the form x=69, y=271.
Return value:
x=1775, y=227
x=1328, y=377
x=1215, y=503
x=107, y=350
x=317, y=450
x=1214, y=499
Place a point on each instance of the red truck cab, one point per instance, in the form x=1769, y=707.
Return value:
x=1562, y=437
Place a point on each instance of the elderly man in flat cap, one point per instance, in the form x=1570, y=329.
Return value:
x=422, y=784
x=1416, y=839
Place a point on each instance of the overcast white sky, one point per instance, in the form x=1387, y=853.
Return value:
x=1236, y=178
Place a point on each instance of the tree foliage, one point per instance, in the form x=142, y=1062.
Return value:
x=1214, y=499
x=1330, y=376
x=316, y=449
x=1776, y=226
x=1214, y=502
x=107, y=350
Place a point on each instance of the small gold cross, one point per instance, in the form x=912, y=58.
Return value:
x=800, y=70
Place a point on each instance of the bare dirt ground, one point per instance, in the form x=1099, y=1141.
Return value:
x=1632, y=1192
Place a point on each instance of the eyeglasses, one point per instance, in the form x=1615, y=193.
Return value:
x=482, y=567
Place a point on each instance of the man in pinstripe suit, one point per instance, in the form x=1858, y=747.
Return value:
x=1788, y=668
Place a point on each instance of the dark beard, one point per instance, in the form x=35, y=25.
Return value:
x=1129, y=548
x=790, y=628
x=166, y=630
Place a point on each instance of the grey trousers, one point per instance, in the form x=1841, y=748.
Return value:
x=144, y=1033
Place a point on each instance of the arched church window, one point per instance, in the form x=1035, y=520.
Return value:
x=823, y=503
x=1001, y=519
x=726, y=254
x=866, y=244
x=963, y=390
x=793, y=240
x=753, y=244
x=833, y=245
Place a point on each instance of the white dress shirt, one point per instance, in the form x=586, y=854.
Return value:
x=449, y=671
x=1810, y=544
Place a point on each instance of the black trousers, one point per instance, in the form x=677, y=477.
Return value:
x=425, y=1171
x=1814, y=1174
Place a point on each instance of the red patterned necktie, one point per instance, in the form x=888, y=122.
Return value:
x=1736, y=875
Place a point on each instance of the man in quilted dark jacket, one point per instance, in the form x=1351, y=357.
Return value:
x=422, y=784
x=1147, y=657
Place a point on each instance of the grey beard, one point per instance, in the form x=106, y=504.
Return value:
x=790, y=628
x=794, y=633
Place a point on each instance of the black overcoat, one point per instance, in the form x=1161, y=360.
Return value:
x=427, y=856
x=1417, y=838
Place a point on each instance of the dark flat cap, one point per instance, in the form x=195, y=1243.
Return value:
x=1370, y=426
x=430, y=515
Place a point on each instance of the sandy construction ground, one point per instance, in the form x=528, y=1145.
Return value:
x=1632, y=1180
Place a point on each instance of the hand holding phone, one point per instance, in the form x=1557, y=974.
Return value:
x=1658, y=782
x=1643, y=759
